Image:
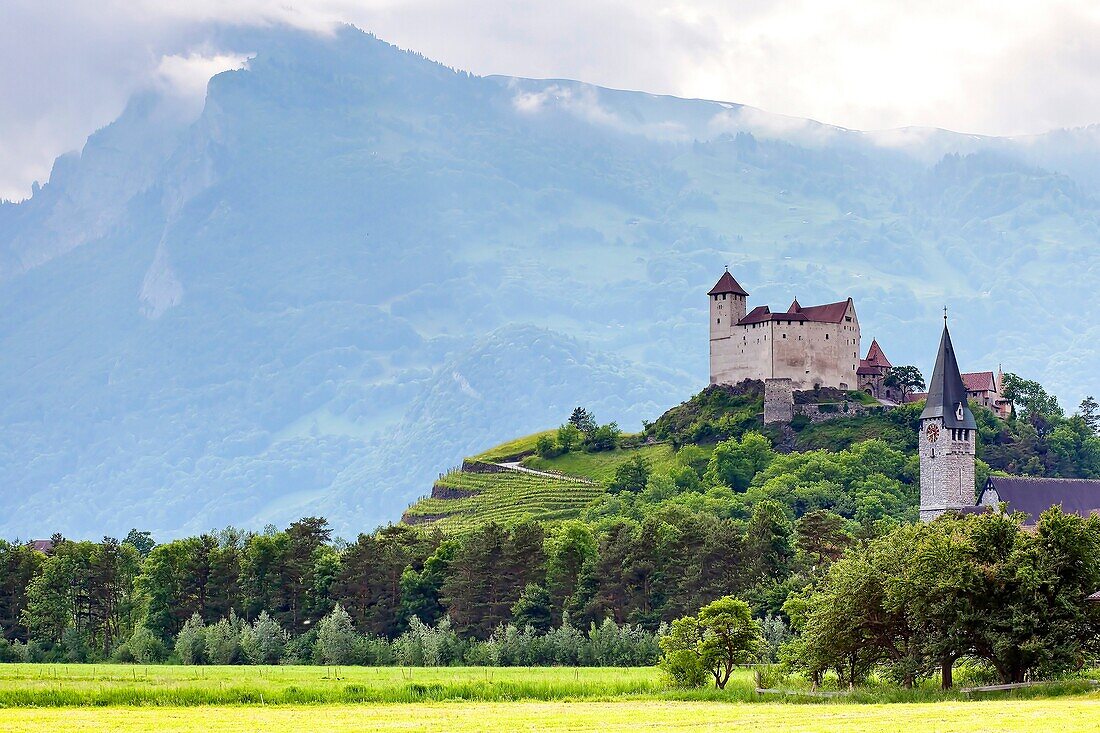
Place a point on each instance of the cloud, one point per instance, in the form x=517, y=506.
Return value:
x=983, y=67
x=187, y=75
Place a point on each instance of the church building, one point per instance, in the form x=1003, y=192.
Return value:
x=813, y=346
x=948, y=446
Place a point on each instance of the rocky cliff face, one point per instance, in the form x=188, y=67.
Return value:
x=357, y=266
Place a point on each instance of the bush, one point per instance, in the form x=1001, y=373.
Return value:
x=191, y=641
x=74, y=646
x=603, y=438
x=684, y=669
x=264, y=642
x=630, y=475
x=545, y=447
x=301, y=649
x=8, y=652
x=428, y=646
x=143, y=647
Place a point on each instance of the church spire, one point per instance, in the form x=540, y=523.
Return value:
x=946, y=391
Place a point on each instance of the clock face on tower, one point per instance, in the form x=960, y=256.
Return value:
x=933, y=432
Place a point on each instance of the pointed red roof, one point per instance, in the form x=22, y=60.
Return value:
x=876, y=357
x=979, y=382
x=726, y=284
x=795, y=307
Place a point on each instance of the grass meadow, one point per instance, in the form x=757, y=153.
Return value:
x=90, y=698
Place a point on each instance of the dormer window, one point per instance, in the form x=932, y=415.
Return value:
x=959, y=411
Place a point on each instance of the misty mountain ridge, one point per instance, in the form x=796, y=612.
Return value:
x=357, y=265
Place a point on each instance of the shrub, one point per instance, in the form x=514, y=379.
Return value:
x=264, y=642
x=428, y=646
x=569, y=437
x=683, y=669
x=74, y=646
x=143, y=647
x=545, y=447
x=8, y=653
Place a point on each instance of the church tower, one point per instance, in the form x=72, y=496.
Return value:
x=727, y=306
x=948, y=439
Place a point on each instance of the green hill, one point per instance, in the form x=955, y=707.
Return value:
x=859, y=463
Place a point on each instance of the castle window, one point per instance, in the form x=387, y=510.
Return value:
x=719, y=320
x=723, y=296
x=826, y=337
x=784, y=335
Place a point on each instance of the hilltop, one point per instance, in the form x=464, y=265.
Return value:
x=356, y=265
x=713, y=453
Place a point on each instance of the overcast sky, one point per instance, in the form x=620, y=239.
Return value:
x=68, y=66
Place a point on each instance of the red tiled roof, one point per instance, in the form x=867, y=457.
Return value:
x=979, y=382
x=41, y=545
x=916, y=396
x=865, y=369
x=726, y=284
x=876, y=357
x=828, y=313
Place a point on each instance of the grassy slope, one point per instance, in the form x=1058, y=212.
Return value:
x=1026, y=716
x=601, y=466
x=512, y=448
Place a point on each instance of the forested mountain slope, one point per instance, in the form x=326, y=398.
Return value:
x=357, y=266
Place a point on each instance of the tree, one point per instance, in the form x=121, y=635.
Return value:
x=820, y=536
x=630, y=475
x=583, y=420
x=734, y=463
x=604, y=437
x=722, y=636
x=1032, y=402
x=568, y=548
x=768, y=547
x=336, y=638
x=905, y=378
x=223, y=640
x=569, y=437
x=545, y=447
x=264, y=642
x=191, y=641
x=421, y=589
x=143, y=542
x=19, y=565
x=533, y=609
x=1089, y=411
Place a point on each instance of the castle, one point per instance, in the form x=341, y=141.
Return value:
x=814, y=346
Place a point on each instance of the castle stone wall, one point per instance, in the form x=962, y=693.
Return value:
x=810, y=354
x=778, y=401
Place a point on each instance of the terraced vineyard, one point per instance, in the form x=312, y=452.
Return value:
x=463, y=499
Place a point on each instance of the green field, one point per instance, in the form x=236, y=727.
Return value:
x=177, y=698
x=601, y=466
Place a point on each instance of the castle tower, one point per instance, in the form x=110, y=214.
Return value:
x=948, y=439
x=727, y=307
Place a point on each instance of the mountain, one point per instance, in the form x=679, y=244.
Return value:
x=357, y=265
